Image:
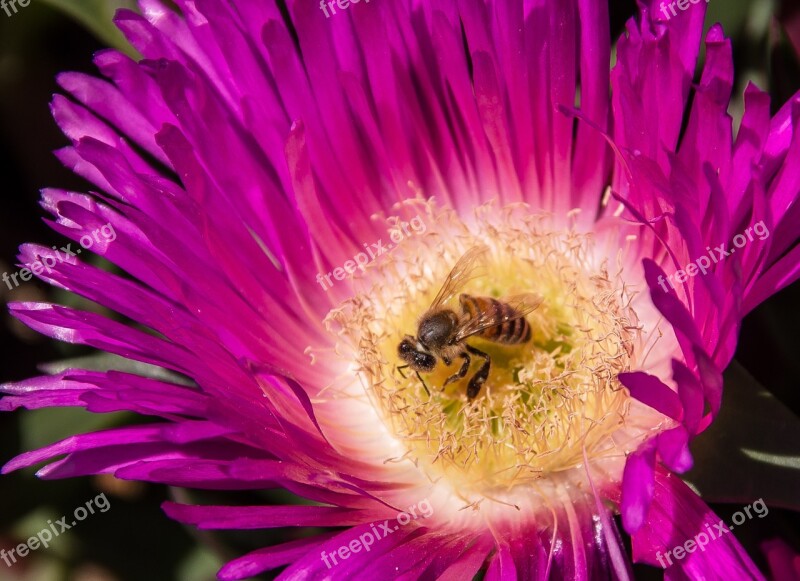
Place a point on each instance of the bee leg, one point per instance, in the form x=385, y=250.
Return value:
x=423, y=383
x=461, y=372
x=477, y=381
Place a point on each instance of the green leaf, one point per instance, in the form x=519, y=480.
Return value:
x=103, y=361
x=751, y=451
x=42, y=427
x=200, y=565
x=97, y=15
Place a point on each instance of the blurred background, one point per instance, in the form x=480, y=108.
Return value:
x=134, y=540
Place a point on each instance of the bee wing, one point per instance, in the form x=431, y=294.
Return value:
x=521, y=304
x=466, y=269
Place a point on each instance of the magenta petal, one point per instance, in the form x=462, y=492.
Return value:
x=91, y=329
x=461, y=558
x=104, y=447
x=501, y=567
x=191, y=470
x=357, y=565
x=270, y=558
x=678, y=515
x=258, y=517
x=409, y=558
x=103, y=392
x=691, y=396
x=106, y=100
x=671, y=307
x=637, y=486
x=673, y=448
x=784, y=563
x=710, y=379
x=468, y=564
x=651, y=391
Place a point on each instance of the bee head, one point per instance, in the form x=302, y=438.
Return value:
x=415, y=355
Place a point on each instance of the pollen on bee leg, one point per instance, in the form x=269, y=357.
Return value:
x=545, y=401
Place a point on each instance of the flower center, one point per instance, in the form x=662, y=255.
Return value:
x=546, y=401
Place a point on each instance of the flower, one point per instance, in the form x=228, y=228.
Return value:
x=784, y=563
x=253, y=157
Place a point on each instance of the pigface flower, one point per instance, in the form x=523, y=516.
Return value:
x=294, y=191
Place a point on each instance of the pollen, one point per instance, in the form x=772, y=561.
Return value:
x=548, y=403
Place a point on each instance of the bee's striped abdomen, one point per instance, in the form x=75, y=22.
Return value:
x=509, y=332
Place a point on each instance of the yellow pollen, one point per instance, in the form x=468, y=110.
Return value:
x=546, y=402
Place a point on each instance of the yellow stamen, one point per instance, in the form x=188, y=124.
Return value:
x=546, y=401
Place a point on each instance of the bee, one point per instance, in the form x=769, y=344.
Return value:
x=442, y=332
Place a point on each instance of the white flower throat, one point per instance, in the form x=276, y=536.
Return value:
x=546, y=400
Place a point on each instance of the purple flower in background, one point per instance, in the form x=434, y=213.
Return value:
x=288, y=194
x=784, y=563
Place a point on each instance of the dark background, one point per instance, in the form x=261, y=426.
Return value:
x=134, y=540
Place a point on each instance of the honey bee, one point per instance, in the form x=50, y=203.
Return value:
x=442, y=332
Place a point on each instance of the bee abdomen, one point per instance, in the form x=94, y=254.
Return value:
x=509, y=332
